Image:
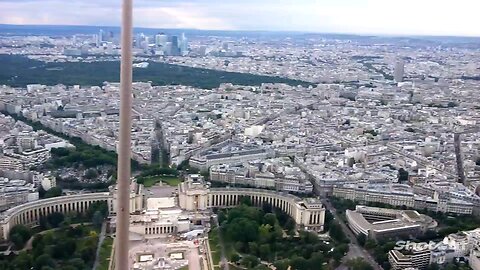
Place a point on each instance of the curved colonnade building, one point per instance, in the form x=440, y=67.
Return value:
x=29, y=213
x=308, y=214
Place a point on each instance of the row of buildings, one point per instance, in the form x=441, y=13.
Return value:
x=277, y=173
x=21, y=150
x=18, y=187
x=443, y=197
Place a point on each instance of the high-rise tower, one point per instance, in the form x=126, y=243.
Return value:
x=399, y=70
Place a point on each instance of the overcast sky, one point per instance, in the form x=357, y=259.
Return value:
x=396, y=17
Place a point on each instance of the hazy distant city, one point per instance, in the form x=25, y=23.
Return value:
x=250, y=150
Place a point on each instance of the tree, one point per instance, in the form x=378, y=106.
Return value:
x=98, y=206
x=19, y=235
x=250, y=261
x=64, y=248
x=299, y=263
x=243, y=230
x=264, y=234
x=54, y=219
x=451, y=266
x=261, y=267
x=234, y=257
x=60, y=152
x=88, y=253
x=339, y=251
x=328, y=219
x=222, y=216
x=253, y=248
x=37, y=241
x=41, y=192
x=264, y=251
x=17, y=241
x=402, y=175
x=97, y=219
x=336, y=232
x=316, y=260
x=282, y=264
x=290, y=225
x=270, y=219
x=245, y=201
x=249, y=230
x=78, y=263
x=44, y=260
x=370, y=244
x=69, y=267
x=448, y=230
x=22, y=261
x=91, y=174
x=38, y=246
x=308, y=237
x=433, y=266
x=53, y=192
x=267, y=207
x=361, y=238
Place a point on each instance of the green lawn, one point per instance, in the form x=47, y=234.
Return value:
x=105, y=252
x=213, y=240
x=171, y=181
x=216, y=256
x=150, y=181
x=229, y=249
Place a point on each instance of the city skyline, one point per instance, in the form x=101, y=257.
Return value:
x=353, y=17
x=306, y=134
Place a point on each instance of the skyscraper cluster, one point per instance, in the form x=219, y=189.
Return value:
x=159, y=44
x=104, y=36
x=163, y=44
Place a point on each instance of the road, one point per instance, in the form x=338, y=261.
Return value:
x=355, y=250
x=193, y=260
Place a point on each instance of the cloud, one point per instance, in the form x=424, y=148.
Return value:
x=182, y=16
x=436, y=17
x=147, y=13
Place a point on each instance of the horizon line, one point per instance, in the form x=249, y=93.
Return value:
x=253, y=31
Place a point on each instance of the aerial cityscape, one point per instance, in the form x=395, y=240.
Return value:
x=251, y=148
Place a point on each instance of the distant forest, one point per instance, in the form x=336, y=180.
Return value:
x=18, y=71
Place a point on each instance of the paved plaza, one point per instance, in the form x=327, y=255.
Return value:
x=159, y=251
